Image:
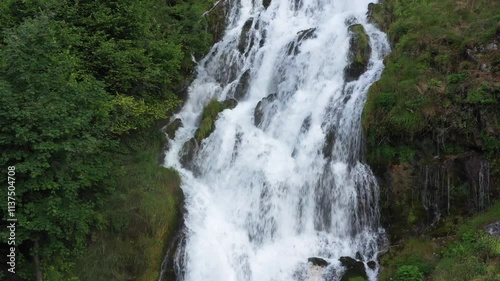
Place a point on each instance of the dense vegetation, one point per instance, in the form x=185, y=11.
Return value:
x=84, y=86
x=468, y=253
x=432, y=127
x=433, y=121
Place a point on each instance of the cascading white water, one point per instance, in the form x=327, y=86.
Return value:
x=262, y=197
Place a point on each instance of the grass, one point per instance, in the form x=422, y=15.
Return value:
x=468, y=254
x=139, y=217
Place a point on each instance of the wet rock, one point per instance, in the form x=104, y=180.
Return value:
x=351, y=21
x=359, y=256
x=244, y=36
x=354, y=269
x=372, y=265
x=259, y=109
x=293, y=47
x=266, y=3
x=242, y=88
x=230, y=103
x=318, y=261
x=188, y=153
x=329, y=143
x=172, y=127
x=306, y=34
x=359, y=53
x=493, y=229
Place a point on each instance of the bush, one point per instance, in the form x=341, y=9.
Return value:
x=409, y=273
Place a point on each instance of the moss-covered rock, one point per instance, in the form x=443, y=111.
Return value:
x=172, y=128
x=359, y=53
x=208, y=118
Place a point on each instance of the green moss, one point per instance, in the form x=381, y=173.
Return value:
x=208, y=118
x=138, y=218
x=360, y=52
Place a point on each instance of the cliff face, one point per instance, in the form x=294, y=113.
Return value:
x=432, y=122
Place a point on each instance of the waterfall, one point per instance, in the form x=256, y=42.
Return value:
x=281, y=178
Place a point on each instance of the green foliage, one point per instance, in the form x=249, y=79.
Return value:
x=456, y=78
x=385, y=100
x=480, y=96
x=470, y=254
x=54, y=123
x=78, y=81
x=138, y=216
x=408, y=273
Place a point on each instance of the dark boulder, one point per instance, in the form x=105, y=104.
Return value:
x=318, y=261
x=354, y=269
x=372, y=265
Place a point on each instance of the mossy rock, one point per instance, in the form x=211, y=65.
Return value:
x=208, y=118
x=359, y=54
x=378, y=15
x=172, y=128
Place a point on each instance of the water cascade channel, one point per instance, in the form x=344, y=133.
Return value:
x=279, y=191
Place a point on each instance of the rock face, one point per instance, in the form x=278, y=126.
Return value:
x=354, y=269
x=359, y=54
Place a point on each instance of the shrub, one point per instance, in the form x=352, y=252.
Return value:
x=409, y=273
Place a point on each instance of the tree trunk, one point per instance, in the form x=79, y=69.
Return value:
x=36, y=260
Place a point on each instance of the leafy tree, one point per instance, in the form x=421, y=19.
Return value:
x=54, y=129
